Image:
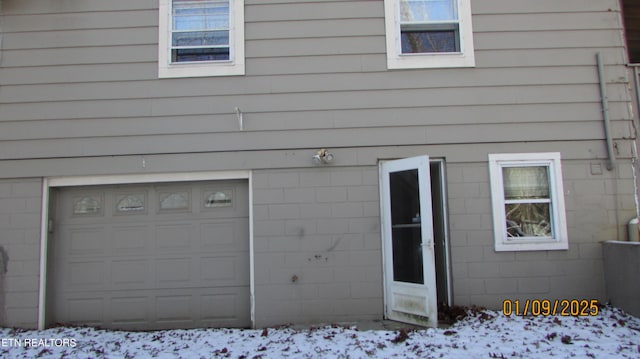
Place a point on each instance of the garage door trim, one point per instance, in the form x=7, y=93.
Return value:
x=48, y=182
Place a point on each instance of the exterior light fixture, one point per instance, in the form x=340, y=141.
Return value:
x=323, y=156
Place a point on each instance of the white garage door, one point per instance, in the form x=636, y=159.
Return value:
x=152, y=256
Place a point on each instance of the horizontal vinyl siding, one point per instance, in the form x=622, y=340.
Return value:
x=79, y=78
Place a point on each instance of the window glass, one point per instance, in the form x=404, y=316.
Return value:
x=528, y=220
x=198, y=38
x=216, y=199
x=429, y=26
x=427, y=10
x=525, y=182
x=174, y=200
x=528, y=201
x=131, y=203
x=87, y=205
x=416, y=42
x=200, y=30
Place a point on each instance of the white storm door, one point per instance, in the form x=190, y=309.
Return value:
x=408, y=252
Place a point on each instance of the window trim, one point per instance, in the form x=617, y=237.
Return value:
x=234, y=66
x=559, y=239
x=397, y=60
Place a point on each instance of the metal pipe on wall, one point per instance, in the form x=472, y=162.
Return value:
x=605, y=113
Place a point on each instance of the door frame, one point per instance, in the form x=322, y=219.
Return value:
x=446, y=250
x=73, y=181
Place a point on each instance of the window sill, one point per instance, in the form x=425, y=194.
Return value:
x=426, y=61
x=541, y=245
x=201, y=70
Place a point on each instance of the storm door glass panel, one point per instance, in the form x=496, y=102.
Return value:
x=405, y=227
x=200, y=30
x=429, y=26
x=527, y=201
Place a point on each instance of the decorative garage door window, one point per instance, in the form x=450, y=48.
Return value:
x=131, y=203
x=87, y=205
x=217, y=199
x=174, y=201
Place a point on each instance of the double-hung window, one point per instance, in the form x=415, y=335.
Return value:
x=429, y=33
x=201, y=38
x=528, y=202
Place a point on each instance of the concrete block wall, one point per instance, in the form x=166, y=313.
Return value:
x=20, y=212
x=317, y=245
x=598, y=205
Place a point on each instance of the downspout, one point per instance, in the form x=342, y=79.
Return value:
x=605, y=113
x=634, y=227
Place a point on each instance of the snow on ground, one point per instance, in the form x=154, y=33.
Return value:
x=487, y=334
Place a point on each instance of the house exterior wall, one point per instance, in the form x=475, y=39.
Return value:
x=598, y=207
x=80, y=96
x=20, y=212
x=317, y=245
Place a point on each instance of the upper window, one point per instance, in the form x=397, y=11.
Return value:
x=201, y=38
x=528, y=202
x=428, y=33
x=631, y=12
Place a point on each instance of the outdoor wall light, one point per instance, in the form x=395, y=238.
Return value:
x=323, y=156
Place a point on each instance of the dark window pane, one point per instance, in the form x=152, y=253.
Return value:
x=187, y=55
x=415, y=42
x=406, y=231
x=528, y=220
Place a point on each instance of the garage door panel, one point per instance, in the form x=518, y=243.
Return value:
x=133, y=273
x=151, y=256
x=173, y=271
x=217, y=234
x=130, y=310
x=223, y=235
x=130, y=240
x=85, y=310
x=86, y=275
x=216, y=307
x=174, y=237
x=221, y=269
x=223, y=307
x=89, y=240
x=172, y=308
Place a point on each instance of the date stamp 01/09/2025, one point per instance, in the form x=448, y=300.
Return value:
x=551, y=307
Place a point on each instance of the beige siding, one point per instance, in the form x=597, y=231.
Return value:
x=80, y=95
x=85, y=72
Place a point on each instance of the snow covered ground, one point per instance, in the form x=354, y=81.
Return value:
x=487, y=334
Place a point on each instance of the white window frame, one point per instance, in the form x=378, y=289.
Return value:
x=397, y=60
x=234, y=66
x=559, y=239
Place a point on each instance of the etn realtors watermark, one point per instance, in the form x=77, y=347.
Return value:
x=37, y=342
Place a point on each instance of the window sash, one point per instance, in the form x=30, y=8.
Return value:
x=529, y=184
x=209, y=28
x=528, y=223
x=428, y=33
x=424, y=11
x=443, y=39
